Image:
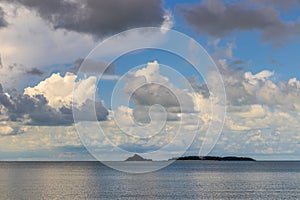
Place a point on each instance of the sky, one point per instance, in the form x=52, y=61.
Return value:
x=71, y=84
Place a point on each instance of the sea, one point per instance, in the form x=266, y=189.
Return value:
x=180, y=180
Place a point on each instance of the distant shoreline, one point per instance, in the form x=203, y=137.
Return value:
x=137, y=157
x=213, y=158
x=148, y=160
x=96, y=161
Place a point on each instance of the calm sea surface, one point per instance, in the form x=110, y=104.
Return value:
x=181, y=180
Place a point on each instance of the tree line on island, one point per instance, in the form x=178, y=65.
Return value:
x=137, y=157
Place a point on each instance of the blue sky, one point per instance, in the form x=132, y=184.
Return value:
x=254, y=44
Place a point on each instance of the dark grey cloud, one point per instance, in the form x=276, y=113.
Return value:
x=90, y=66
x=36, y=111
x=284, y=5
x=22, y=69
x=35, y=72
x=141, y=114
x=236, y=92
x=3, y=22
x=218, y=19
x=198, y=87
x=86, y=111
x=237, y=64
x=98, y=17
x=152, y=94
x=23, y=107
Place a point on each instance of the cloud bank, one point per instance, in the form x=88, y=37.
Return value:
x=262, y=114
x=98, y=18
x=218, y=19
x=50, y=102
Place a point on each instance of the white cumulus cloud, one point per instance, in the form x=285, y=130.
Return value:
x=59, y=90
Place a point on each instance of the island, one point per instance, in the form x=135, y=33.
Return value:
x=214, y=158
x=137, y=157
